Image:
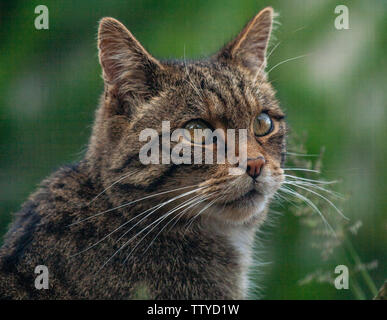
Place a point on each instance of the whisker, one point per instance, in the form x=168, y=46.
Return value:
x=311, y=180
x=272, y=50
x=309, y=202
x=318, y=187
x=322, y=197
x=115, y=230
x=264, y=64
x=158, y=207
x=316, y=184
x=287, y=60
x=282, y=197
x=301, y=154
x=195, y=203
x=199, y=202
x=205, y=208
x=130, y=203
x=120, y=179
x=136, y=235
x=180, y=214
x=301, y=169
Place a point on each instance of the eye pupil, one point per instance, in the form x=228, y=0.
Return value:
x=263, y=125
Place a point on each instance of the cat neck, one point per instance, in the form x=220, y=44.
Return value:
x=240, y=238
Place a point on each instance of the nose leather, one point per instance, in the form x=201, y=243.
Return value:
x=254, y=167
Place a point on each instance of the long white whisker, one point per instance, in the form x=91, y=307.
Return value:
x=205, y=208
x=287, y=60
x=301, y=154
x=272, y=50
x=318, y=187
x=283, y=197
x=156, y=222
x=311, y=180
x=136, y=235
x=180, y=214
x=322, y=197
x=158, y=207
x=131, y=202
x=264, y=64
x=193, y=203
x=309, y=202
x=115, y=230
x=113, y=184
x=301, y=169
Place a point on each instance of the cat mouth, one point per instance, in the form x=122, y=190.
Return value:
x=245, y=198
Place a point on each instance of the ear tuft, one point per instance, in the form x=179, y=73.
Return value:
x=248, y=49
x=125, y=63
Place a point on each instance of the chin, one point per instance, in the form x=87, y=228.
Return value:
x=250, y=208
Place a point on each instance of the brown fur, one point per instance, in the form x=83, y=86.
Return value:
x=200, y=261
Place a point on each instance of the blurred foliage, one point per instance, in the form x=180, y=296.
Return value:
x=50, y=84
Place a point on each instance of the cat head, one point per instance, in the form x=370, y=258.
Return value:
x=229, y=90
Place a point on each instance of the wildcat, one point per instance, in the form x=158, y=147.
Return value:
x=110, y=227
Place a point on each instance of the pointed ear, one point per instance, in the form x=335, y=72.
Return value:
x=127, y=66
x=248, y=49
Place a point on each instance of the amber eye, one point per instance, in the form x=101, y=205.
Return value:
x=263, y=125
x=198, y=124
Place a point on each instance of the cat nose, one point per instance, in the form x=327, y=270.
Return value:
x=254, y=166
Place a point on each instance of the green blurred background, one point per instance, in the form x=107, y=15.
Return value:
x=50, y=84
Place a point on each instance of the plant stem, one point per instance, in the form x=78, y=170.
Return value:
x=354, y=285
x=366, y=276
